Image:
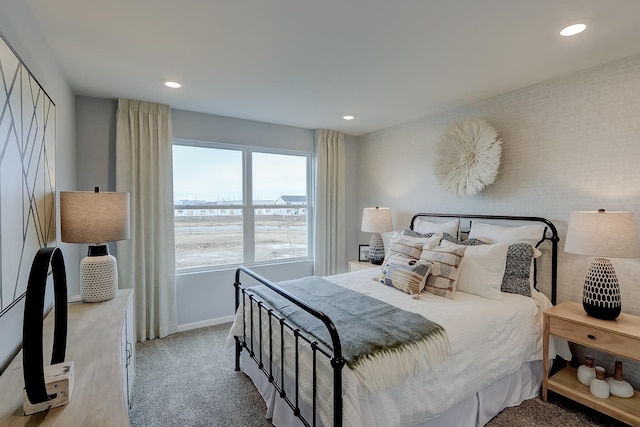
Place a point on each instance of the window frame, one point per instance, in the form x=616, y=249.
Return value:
x=248, y=207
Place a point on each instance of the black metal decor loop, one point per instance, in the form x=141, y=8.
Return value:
x=32, y=357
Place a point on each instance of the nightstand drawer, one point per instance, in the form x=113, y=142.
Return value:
x=594, y=337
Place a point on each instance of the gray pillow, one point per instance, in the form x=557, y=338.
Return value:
x=518, y=268
x=469, y=242
x=409, y=232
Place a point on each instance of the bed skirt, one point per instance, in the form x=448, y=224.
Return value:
x=474, y=411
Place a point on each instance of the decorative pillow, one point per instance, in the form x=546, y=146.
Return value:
x=517, y=273
x=423, y=226
x=491, y=233
x=410, y=246
x=444, y=272
x=404, y=273
x=409, y=232
x=468, y=242
x=482, y=269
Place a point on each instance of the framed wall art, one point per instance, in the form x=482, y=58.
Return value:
x=27, y=174
x=363, y=253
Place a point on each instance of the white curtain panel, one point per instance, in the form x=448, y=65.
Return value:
x=330, y=227
x=146, y=262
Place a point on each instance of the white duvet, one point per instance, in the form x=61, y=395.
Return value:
x=489, y=339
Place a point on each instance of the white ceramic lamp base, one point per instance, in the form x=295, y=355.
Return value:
x=98, y=278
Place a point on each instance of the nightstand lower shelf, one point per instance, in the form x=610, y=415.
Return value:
x=565, y=382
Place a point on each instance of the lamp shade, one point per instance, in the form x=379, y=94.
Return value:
x=603, y=234
x=377, y=220
x=94, y=217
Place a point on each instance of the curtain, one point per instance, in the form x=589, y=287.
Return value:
x=330, y=227
x=146, y=262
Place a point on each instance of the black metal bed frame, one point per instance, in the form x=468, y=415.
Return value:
x=334, y=355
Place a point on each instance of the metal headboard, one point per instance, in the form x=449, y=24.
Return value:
x=550, y=234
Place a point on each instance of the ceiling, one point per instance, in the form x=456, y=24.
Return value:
x=306, y=63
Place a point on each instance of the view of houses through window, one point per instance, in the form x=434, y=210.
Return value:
x=239, y=205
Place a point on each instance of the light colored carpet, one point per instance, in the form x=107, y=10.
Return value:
x=188, y=379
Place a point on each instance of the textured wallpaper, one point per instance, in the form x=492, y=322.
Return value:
x=572, y=143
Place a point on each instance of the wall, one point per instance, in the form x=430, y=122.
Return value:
x=19, y=28
x=572, y=143
x=204, y=297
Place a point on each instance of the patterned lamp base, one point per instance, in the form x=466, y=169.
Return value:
x=601, y=294
x=98, y=278
x=376, y=249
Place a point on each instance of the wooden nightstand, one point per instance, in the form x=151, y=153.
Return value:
x=361, y=265
x=620, y=337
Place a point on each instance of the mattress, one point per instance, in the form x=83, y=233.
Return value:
x=489, y=340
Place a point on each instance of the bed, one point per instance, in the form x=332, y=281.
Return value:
x=483, y=352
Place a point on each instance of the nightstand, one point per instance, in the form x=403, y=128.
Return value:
x=361, y=265
x=620, y=337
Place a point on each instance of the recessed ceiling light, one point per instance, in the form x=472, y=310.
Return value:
x=348, y=117
x=173, y=85
x=572, y=30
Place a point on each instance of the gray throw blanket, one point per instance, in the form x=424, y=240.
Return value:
x=370, y=330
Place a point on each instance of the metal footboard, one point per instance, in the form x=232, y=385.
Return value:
x=252, y=333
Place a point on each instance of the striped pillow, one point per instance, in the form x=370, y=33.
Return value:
x=444, y=273
x=404, y=273
x=410, y=246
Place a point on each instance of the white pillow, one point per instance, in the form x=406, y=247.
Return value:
x=423, y=226
x=491, y=233
x=482, y=269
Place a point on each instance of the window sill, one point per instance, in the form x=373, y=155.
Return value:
x=212, y=269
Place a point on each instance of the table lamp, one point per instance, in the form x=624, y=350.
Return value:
x=603, y=235
x=376, y=220
x=95, y=218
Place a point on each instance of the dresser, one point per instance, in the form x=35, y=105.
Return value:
x=101, y=343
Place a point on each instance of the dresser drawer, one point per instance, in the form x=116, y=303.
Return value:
x=591, y=336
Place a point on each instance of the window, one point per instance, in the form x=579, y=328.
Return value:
x=228, y=205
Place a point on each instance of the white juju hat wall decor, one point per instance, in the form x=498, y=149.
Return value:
x=468, y=157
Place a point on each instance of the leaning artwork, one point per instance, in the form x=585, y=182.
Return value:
x=27, y=174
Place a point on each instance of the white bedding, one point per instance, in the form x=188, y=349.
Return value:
x=489, y=339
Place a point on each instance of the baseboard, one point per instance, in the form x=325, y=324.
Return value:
x=205, y=323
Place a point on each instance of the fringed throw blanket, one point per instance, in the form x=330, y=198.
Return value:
x=381, y=343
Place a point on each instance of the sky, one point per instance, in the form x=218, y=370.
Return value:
x=213, y=174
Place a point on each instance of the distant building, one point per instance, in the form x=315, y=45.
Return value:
x=291, y=200
x=197, y=208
